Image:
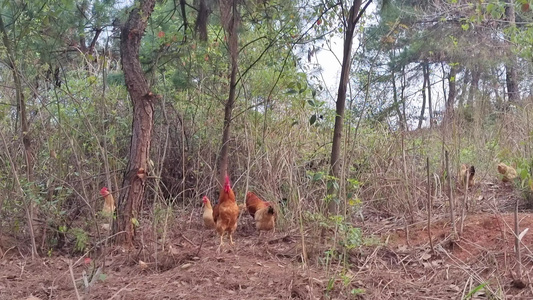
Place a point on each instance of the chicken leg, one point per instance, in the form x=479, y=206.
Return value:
x=221, y=242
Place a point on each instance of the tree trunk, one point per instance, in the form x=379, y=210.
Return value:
x=452, y=92
x=395, y=97
x=511, y=82
x=396, y=103
x=132, y=191
x=511, y=75
x=424, y=85
x=335, y=171
x=466, y=82
x=403, y=100
x=24, y=128
x=474, y=86
x=430, y=104
x=230, y=23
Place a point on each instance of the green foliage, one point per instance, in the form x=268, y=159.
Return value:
x=476, y=289
x=349, y=237
x=524, y=182
x=468, y=154
x=116, y=78
x=81, y=239
x=496, y=9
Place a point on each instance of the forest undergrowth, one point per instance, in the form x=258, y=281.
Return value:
x=377, y=248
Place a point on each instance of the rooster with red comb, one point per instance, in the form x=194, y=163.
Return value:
x=226, y=212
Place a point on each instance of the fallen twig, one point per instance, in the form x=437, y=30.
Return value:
x=189, y=241
x=73, y=279
x=118, y=292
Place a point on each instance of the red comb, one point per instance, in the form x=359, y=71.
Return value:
x=226, y=184
x=104, y=191
x=205, y=199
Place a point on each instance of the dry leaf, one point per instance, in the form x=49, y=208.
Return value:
x=143, y=265
x=425, y=256
x=402, y=248
x=173, y=250
x=186, y=266
x=521, y=235
x=454, y=288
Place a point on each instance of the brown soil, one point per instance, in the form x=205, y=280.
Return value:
x=189, y=268
x=272, y=267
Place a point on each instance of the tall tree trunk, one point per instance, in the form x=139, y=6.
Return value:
x=474, y=86
x=395, y=96
x=201, y=19
x=511, y=75
x=132, y=191
x=466, y=81
x=452, y=92
x=424, y=85
x=396, y=102
x=21, y=103
x=430, y=104
x=511, y=78
x=24, y=127
x=403, y=100
x=336, y=164
x=230, y=22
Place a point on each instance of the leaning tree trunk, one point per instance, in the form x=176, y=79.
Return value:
x=395, y=97
x=430, y=104
x=335, y=171
x=511, y=75
x=132, y=191
x=424, y=84
x=452, y=93
x=230, y=23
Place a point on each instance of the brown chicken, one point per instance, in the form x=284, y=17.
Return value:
x=226, y=212
x=466, y=173
x=109, y=201
x=508, y=172
x=262, y=212
x=209, y=223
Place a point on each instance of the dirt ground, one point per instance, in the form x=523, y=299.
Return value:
x=480, y=264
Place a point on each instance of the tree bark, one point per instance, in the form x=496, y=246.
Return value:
x=474, y=86
x=466, y=82
x=396, y=103
x=452, y=92
x=201, y=20
x=424, y=85
x=395, y=97
x=511, y=75
x=430, y=103
x=132, y=191
x=511, y=81
x=230, y=22
x=403, y=100
x=24, y=127
x=336, y=163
